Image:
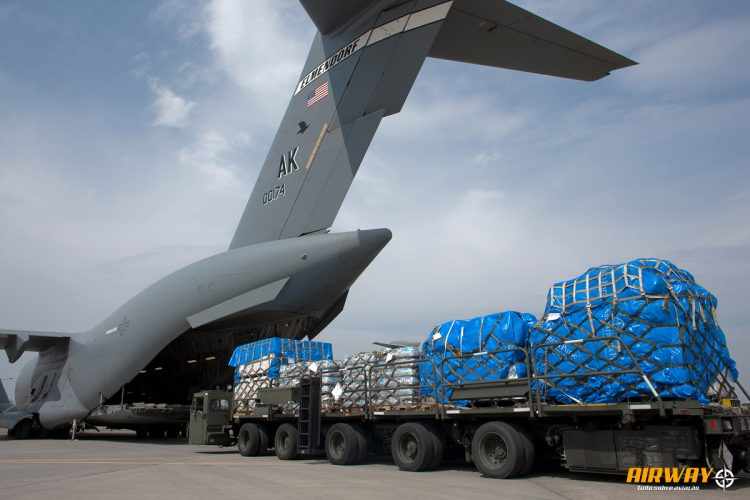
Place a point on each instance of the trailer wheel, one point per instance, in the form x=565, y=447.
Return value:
x=413, y=447
x=264, y=440
x=286, y=442
x=362, y=444
x=439, y=448
x=497, y=450
x=529, y=453
x=248, y=440
x=342, y=445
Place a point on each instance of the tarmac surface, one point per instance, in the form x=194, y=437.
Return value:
x=110, y=465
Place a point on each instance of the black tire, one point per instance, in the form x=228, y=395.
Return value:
x=60, y=433
x=529, y=452
x=285, y=442
x=413, y=447
x=248, y=440
x=497, y=450
x=264, y=440
x=439, y=448
x=23, y=429
x=363, y=444
x=140, y=434
x=342, y=445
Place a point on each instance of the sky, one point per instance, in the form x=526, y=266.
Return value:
x=131, y=134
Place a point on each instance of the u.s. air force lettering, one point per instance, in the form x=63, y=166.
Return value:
x=287, y=166
x=340, y=56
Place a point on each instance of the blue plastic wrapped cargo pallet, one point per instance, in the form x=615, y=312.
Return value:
x=623, y=332
x=281, y=351
x=482, y=349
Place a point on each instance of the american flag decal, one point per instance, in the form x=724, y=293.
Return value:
x=318, y=94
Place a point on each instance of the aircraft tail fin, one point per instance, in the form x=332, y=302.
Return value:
x=361, y=67
x=355, y=74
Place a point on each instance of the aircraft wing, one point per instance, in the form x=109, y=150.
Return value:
x=16, y=342
x=500, y=34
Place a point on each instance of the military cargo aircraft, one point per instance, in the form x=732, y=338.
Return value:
x=284, y=274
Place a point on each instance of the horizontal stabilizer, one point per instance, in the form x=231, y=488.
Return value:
x=500, y=34
x=330, y=15
x=16, y=342
x=360, y=69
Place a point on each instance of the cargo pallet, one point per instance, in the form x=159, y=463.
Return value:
x=504, y=427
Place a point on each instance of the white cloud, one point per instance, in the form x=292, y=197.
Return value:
x=208, y=156
x=261, y=46
x=705, y=58
x=171, y=109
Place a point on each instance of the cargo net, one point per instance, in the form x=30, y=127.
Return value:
x=640, y=330
x=291, y=374
x=484, y=349
x=379, y=380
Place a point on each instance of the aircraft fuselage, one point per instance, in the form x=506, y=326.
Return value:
x=294, y=276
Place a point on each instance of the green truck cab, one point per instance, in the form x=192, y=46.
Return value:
x=209, y=413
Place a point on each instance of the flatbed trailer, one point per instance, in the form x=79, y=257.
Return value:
x=504, y=427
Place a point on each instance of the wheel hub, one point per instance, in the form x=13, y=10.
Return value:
x=494, y=449
x=409, y=447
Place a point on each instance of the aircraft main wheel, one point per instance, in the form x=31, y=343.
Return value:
x=413, y=447
x=248, y=440
x=264, y=440
x=497, y=450
x=285, y=442
x=60, y=433
x=342, y=445
x=23, y=429
x=529, y=452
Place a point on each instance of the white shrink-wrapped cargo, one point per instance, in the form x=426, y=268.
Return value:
x=291, y=374
x=387, y=378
